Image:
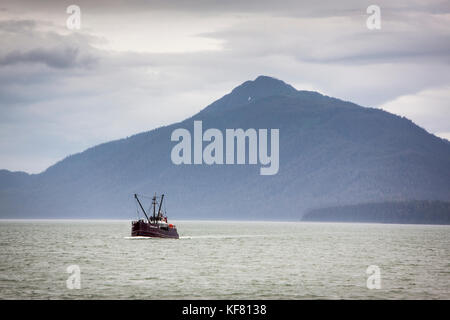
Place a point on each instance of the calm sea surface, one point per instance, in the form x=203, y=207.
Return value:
x=224, y=260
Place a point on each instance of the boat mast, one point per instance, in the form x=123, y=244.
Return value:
x=154, y=207
x=160, y=204
x=137, y=199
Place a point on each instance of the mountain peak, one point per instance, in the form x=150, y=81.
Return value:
x=247, y=92
x=262, y=86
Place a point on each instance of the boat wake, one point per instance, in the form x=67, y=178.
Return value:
x=201, y=237
x=223, y=236
x=138, y=238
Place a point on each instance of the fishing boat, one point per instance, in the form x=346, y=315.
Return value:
x=155, y=226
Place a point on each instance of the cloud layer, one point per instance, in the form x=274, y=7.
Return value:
x=137, y=65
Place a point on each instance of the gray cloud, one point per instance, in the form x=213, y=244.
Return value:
x=297, y=8
x=343, y=41
x=17, y=25
x=60, y=58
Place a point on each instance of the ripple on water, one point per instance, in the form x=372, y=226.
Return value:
x=224, y=260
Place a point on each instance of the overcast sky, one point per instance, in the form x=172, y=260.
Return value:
x=137, y=65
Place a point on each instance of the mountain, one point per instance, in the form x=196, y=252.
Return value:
x=332, y=153
x=415, y=212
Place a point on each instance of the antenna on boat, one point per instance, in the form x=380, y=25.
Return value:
x=137, y=199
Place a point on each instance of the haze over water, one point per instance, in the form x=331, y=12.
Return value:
x=224, y=260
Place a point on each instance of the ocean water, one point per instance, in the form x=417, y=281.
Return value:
x=224, y=260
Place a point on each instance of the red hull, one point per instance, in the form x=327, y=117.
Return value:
x=145, y=229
